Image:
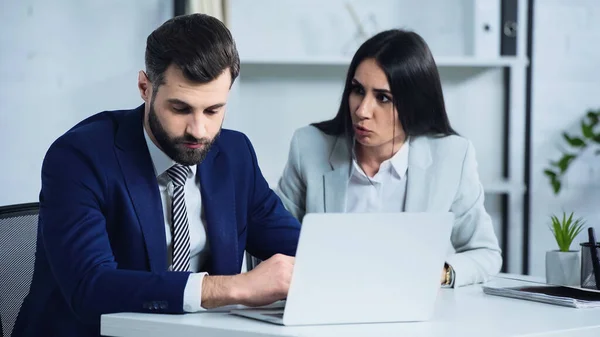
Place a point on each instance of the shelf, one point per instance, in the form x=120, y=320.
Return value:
x=450, y=61
x=504, y=61
x=503, y=186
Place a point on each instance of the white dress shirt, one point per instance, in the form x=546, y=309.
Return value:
x=383, y=193
x=199, y=248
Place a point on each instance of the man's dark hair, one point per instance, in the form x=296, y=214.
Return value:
x=198, y=44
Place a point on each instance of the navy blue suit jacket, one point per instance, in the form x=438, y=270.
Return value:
x=101, y=240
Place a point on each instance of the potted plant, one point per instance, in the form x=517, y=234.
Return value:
x=563, y=266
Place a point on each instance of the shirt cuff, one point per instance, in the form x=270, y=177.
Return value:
x=192, y=294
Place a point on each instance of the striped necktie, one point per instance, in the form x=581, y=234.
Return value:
x=179, y=220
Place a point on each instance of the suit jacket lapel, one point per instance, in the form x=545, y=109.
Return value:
x=419, y=160
x=218, y=201
x=135, y=162
x=335, y=182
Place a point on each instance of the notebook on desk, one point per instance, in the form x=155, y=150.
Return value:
x=551, y=294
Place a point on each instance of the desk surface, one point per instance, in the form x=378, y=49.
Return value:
x=465, y=311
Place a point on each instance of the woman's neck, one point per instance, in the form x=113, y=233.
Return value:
x=369, y=158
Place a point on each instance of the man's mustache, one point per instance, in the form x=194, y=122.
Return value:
x=188, y=139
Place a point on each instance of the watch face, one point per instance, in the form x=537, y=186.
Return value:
x=448, y=276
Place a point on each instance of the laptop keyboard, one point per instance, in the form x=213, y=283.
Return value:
x=276, y=315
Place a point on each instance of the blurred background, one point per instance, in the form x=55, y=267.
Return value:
x=517, y=75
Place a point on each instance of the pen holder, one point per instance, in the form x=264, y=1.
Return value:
x=588, y=279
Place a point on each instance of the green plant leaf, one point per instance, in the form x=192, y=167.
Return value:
x=575, y=228
x=558, y=234
x=574, y=141
x=577, y=142
x=565, y=161
x=556, y=185
x=590, y=132
x=593, y=117
x=587, y=130
x=565, y=230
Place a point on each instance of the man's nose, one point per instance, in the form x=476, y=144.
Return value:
x=197, y=126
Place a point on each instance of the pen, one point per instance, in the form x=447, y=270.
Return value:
x=595, y=258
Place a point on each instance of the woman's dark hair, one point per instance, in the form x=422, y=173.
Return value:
x=414, y=82
x=198, y=44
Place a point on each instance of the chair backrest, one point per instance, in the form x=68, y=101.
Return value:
x=18, y=235
x=251, y=262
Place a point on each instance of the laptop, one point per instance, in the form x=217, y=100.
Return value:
x=364, y=268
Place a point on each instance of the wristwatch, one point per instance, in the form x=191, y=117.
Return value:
x=449, y=274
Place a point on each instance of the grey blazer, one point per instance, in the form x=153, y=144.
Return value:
x=442, y=176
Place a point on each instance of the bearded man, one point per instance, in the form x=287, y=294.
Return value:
x=151, y=209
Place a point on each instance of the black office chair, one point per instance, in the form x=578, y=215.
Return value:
x=18, y=235
x=251, y=262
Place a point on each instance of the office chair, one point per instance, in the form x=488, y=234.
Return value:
x=251, y=262
x=18, y=235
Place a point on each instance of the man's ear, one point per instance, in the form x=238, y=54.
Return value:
x=144, y=86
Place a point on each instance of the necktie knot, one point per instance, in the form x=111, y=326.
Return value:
x=178, y=174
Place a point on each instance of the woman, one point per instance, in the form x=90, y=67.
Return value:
x=391, y=148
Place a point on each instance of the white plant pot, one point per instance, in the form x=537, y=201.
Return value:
x=563, y=268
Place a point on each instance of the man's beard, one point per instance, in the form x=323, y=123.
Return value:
x=174, y=147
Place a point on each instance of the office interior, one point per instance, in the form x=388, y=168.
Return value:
x=516, y=75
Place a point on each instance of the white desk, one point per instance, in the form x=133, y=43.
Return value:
x=465, y=312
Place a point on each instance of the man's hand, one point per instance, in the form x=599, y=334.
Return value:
x=268, y=282
x=265, y=284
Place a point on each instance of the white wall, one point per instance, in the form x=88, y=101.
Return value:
x=310, y=27
x=566, y=83
x=61, y=61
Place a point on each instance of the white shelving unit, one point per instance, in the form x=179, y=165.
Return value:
x=472, y=62
x=282, y=87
